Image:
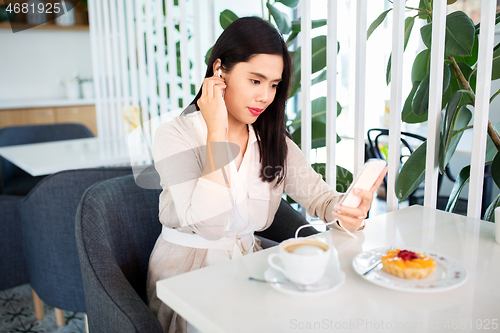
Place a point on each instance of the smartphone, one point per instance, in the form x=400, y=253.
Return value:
x=366, y=178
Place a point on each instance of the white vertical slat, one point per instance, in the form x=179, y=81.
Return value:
x=360, y=86
x=162, y=64
x=103, y=75
x=141, y=62
x=172, y=55
x=95, y=42
x=396, y=102
x=435, y=101
x=198, y=74
x=186, y=84
x=481, y=110
x=305, y=77
x=134, y=86
x=331, y=96
x=212, y=21
x=117, y=55
x=109, y=68
x=123, y=52
x=151, y=66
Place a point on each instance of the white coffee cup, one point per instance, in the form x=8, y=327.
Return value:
x=304, y=260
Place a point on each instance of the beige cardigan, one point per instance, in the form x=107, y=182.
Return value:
x=191, y=204
x=187, y=199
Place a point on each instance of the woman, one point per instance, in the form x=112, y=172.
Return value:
x=225, y=162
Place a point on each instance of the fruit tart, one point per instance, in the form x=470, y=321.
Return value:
x=407, y=264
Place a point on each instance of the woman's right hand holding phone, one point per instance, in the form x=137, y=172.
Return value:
x=212, y=105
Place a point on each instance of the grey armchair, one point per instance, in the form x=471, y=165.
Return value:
x=13, y=271
x=15, y=181
x=14, y=185
x=48, y=237
x=116, y=228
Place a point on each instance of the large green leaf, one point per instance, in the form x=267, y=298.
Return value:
x=388, y=70
x=320, y=78
x=462, y=179
x=318, y=112
x=407, y=115
x=451, y=111
x=491, y=150
x=423, y=13
x=289, y=3
x=497, y=20
x=344, y=179
x=409, y=21
x=207, y=55
x=295, y=86
x=318, y=61
x=456, y=118
x=377, y=22
x=343, y=176
x=459, y=37
x=489, y=214
x=491, y=153
x=408, y=27
x=226, y=18
x=412, y=173
x=495, y=169
x=296, y=27
x=495, y=72
x=421, y=65
x=291, y=38
x=456, y=85
x=319, y=53
x=420, y=104
x=318, y=120
x=318, y=137
x=471, y=60
x=473, y=81
x=282, y=20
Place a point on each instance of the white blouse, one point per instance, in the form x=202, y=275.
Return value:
x=246, y=215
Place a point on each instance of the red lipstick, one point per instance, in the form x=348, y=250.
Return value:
x=255, y=111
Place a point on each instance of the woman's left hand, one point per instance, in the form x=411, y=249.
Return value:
x=352, y=218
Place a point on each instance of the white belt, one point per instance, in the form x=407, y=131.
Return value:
x=196, y=241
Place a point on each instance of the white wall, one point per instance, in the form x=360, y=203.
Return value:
x=34, y=61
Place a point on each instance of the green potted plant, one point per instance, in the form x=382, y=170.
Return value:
x=459, y=86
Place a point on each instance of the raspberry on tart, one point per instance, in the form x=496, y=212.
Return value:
x=408, y=264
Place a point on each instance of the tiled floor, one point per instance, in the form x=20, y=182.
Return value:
x=18, y=315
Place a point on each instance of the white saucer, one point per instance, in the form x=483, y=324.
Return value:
x=333, y=279
x=449, y=273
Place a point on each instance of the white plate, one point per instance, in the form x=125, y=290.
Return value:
x=449, y=273
x=333, y=279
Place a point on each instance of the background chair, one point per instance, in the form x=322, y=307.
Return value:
x=375, y=150
x=15, y=181
x=13, y=271
x=286, y=221
x=48, y=237
x=14, y=185
x=116, y=228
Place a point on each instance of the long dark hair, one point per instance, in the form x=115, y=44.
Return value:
x=242, y=39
